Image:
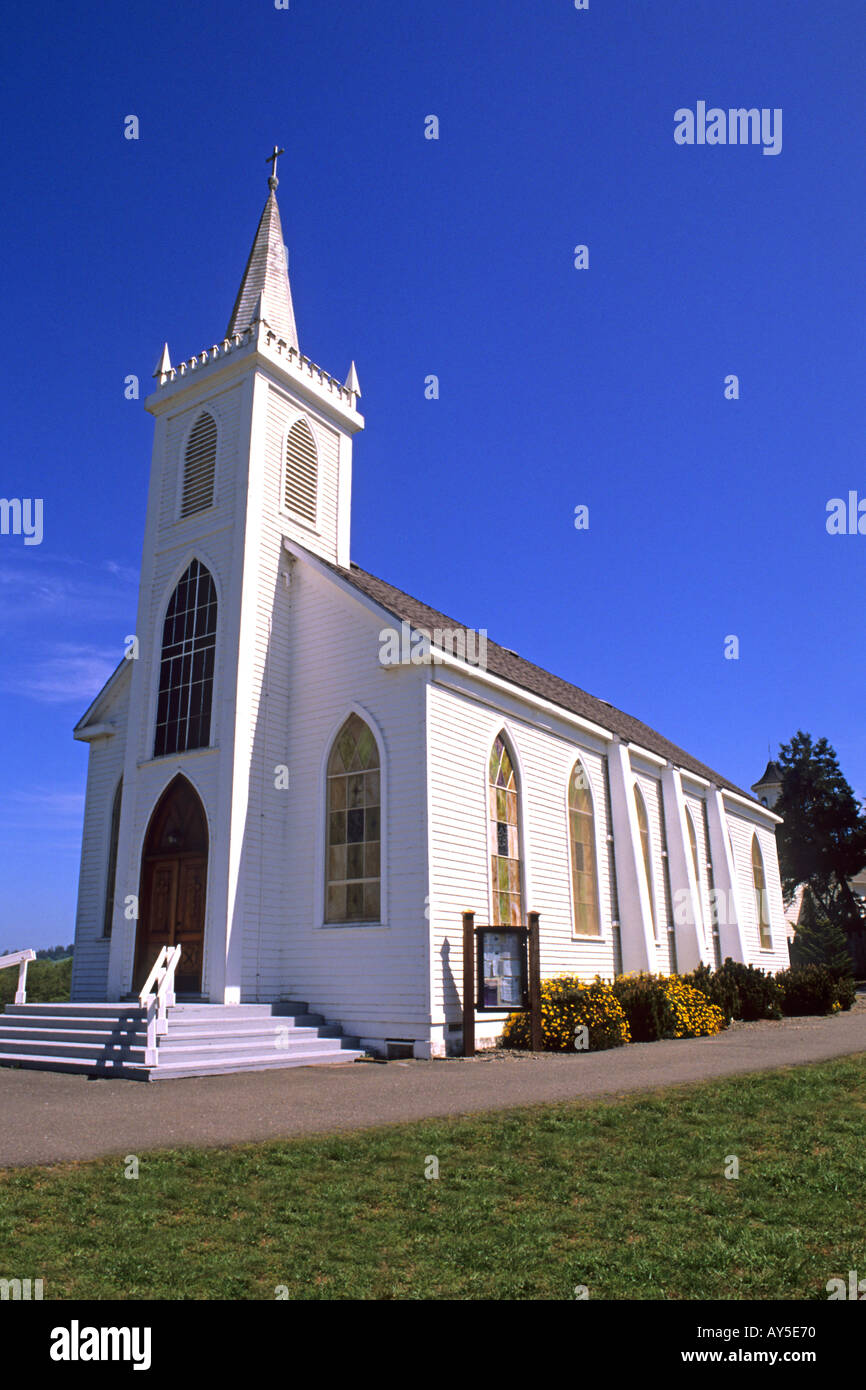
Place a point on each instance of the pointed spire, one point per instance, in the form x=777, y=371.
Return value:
x=163, y=366
x=266, y=273
x=352, y=383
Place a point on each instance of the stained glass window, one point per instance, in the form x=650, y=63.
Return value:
x=643, y=826
x=581, y=824
x=186, y=669
x=505, y=859
x=762, y=913
x=353, y=882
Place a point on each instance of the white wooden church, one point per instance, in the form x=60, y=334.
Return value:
x=290, y=782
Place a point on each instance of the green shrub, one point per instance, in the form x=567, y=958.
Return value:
x=647, y=1007
x=568, y=1004
x=48, y=982
x=740, y=991
x=811, y=989
x=666, y=1006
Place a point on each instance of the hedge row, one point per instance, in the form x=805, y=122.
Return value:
x=576, y=1016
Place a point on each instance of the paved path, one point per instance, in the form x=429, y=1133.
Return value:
x=47, y=1117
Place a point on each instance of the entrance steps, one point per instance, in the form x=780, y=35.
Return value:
x=109, y=1040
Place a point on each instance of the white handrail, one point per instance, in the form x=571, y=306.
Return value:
x=162, y=975
x=21, y=959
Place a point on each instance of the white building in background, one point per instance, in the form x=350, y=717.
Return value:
x=309, y=819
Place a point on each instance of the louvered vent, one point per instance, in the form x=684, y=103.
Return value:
x=302, y=470
x=198, y=467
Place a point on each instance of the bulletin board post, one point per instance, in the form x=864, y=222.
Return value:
x=469, y=984
x=535, y=1032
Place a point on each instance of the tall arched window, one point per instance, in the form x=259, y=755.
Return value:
x=643, y=827
x=505, y=850
x=693, y=841
x=353, y=884
x=762, y=911
x=199, y=466
x=183, y=707
x=111, y=876
x=302, y=472
x=584, y=875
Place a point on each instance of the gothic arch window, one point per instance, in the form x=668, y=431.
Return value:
x=183, y=707
x=111, y=875
x=354, y=826
x=643, y=827
x=302, y=472
x=693, y=842
x=199, y=466
x=584, y=874
x=505, y=837
x=762, y=914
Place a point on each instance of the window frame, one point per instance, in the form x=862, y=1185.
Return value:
x=600, y=935
x=764, y=901
x=493, y=848
x=320, y=864
x=646, y=848
x=158, y=648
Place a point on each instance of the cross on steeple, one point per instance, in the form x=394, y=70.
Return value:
x=272, y=159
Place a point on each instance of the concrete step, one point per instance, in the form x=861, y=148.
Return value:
x=201, y=1039
x=51, y=1047
x=106, y=1026
x=48, y=1062
x=243, y=1047
x=72, y=1037
x=265, y=1062
x=182, y=1027
x=74, y=1012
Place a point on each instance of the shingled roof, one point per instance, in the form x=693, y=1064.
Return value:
x=525, y=675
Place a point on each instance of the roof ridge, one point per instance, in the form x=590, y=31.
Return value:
x=602, y=712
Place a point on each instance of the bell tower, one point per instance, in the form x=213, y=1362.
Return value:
x=252, y=447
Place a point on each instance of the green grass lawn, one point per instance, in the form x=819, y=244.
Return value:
x=628, y=1198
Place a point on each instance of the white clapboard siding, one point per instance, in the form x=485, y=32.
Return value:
x=696, y=807
x=461, y=732
x=650, y=789
x=742, y=828
x=104, y=769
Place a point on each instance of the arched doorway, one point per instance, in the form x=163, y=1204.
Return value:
x=173, y=885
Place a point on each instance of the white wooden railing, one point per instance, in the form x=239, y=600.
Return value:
x=157, y=996
x=21, y=959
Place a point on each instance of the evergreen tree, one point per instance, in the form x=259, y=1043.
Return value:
x=818, y=940
x=823, y=839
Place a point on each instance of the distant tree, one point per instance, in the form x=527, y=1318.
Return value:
x=822, y=841
x=818, y=940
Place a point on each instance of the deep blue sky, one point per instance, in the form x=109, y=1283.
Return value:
x=707, y=517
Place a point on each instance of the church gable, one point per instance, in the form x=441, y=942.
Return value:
x=105, y=711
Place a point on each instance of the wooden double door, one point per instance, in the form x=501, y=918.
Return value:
x=174, y=886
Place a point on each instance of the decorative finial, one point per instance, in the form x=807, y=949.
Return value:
x=352, y=383
x=163, y=366
x=273, y=181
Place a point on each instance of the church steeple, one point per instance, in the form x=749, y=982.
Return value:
x=266, y=276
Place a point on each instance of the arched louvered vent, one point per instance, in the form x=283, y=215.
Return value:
x=302, y=471
x=198, y=466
